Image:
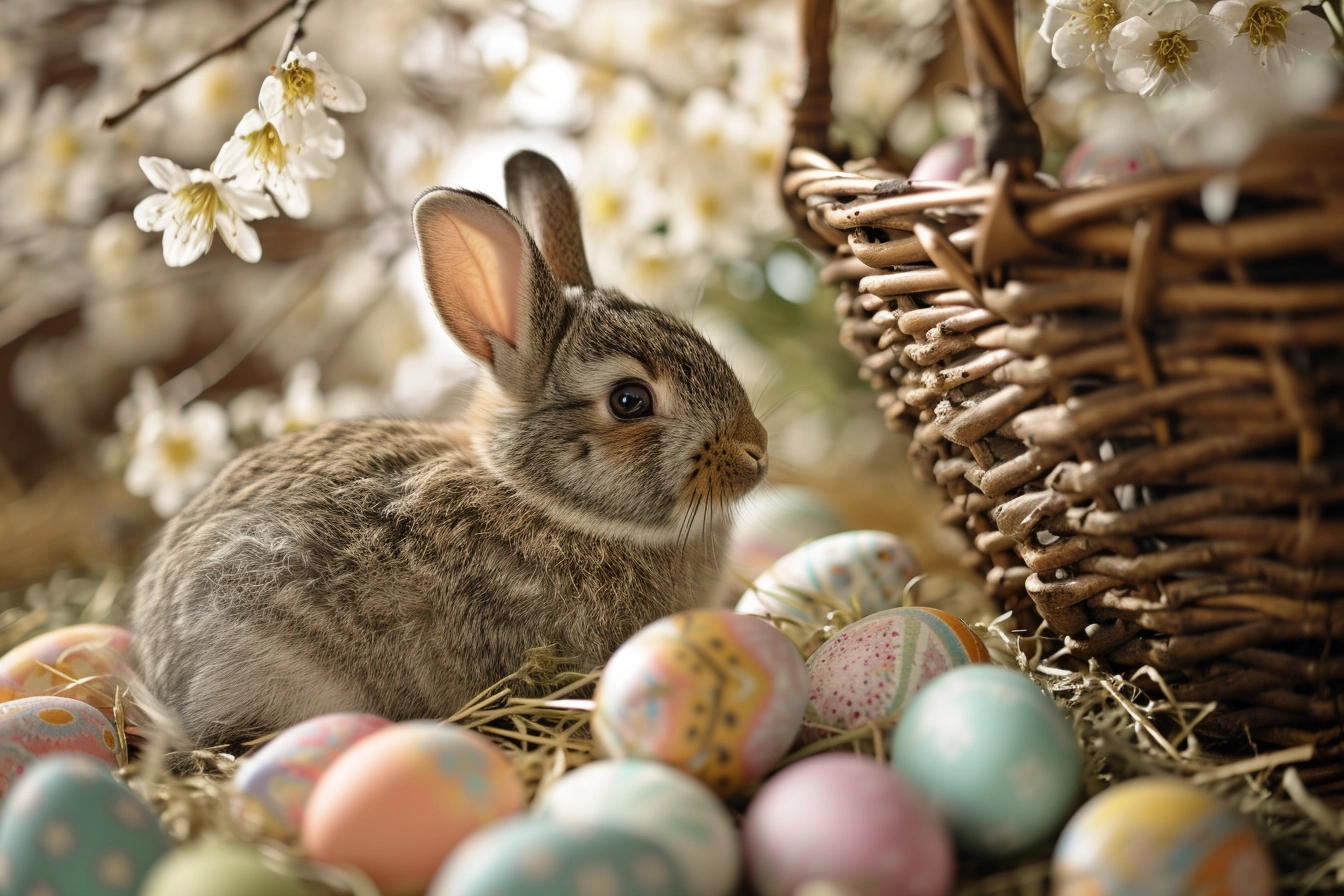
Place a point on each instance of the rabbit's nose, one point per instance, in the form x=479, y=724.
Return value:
x=762, y=461
x=751, y=439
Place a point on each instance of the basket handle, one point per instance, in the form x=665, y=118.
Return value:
x=1005, y=130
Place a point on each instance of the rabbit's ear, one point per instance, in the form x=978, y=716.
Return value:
x=541, y=198
x=489, y=284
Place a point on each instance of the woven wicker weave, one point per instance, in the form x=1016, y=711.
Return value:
x=1138, y=416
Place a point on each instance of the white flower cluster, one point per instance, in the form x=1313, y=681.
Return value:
x=1149, y=46
x=669, y=116
x=276, y=150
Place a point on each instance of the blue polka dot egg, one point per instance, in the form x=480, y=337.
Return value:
x=994, y=755
x=542, y=857
x=69, y=828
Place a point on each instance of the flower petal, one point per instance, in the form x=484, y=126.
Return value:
x=247, y=204
x=251, y=122
x=233, y=161
x=290, y=194
x=1210, y=30
x=1232, y=10
x=153, y=213
x=183, y=245
x=1309, y=33
x=340, y=93
x=238, y=236
x=1072, y=45
x=163, y=173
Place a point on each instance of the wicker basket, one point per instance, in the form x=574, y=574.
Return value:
x=1136, y=414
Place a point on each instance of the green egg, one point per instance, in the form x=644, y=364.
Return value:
x=219, y=869
x=69, y=828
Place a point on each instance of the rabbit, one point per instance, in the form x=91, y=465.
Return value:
x=400, y=568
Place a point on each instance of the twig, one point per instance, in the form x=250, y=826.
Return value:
x=295, y=31
x=237, y=43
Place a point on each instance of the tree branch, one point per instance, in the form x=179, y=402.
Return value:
x=148, y=93
x=295, y=29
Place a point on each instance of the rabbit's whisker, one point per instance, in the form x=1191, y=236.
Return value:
x=778, y=404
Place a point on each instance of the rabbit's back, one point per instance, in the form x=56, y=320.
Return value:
x=376, y=566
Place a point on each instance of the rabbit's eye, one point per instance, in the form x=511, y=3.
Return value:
x=631, y=400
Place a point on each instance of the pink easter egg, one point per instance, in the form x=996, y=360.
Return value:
x=274, y=784
x=51, y=664
x=1098, y=161
x=34, y=727
x=847, y=820
x=399, y=801
x=945, y=160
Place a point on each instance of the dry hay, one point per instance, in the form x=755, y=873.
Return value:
x=1123, y=733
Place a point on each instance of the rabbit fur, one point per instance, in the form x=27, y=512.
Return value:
x=400, y=567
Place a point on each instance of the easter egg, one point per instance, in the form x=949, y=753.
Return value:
x=51, y=663
x=870, y=669
x=770, y=523
x=1160, y=836
x=849, y=821
x=858, y=572
x=398, y=801
x=713, y=693
x=993, y=754
x=69, y=828
x=541, y=857
x=1105, y=160
x=657, y=802
x=219, y=869
x=945, y=160
x=274, y=784
x=33, y=727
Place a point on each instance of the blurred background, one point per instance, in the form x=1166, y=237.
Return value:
x=125, y=384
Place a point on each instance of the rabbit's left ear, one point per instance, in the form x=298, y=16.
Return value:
x=541, y=198
x=489, y=285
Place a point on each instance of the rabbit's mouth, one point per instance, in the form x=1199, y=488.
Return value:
x=727, y=467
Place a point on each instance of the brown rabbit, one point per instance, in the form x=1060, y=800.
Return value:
x=400, y=567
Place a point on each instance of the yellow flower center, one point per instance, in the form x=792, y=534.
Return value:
x=178, y=452
x=63, y=146
x=265, y=147
x=201, y=200
x=1172, y=51
x=1102, y=18
x=708, y=207
x=1264, y=25
x=638, y=129
x=604, y=207
x=299, y=83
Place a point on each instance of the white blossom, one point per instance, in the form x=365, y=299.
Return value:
x=301, y=407
x=296, y=96
x=256, y=159
x=177, y=453
x=1276, y=32
x=1079, y=30
x=195, y=203
x=1174, y=44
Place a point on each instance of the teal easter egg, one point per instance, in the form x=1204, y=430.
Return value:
x=993, y=754
x=657, y=802
x=542, y=857
x=1160, y=836
x=861, y=572
x=870, y=669
x=69, y=828
x=33, y=727
x=273, y=785
x=219, y=869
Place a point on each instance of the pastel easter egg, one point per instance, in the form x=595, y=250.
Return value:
x=946, y=160
x=869, y=670
x=397, y=802
x=1160, y=836
x=1105, y=160
x=69, y=828
x=849, y=821
x=33, y=727
x=711, y=692
x=541, y=857
x=665, y=806
x=770, y=523
x=219, y=869
x=273, y=785
x=993, y=754
x=859, y=572
x=51, y=663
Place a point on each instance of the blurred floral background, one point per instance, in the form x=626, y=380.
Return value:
x=126, y=383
